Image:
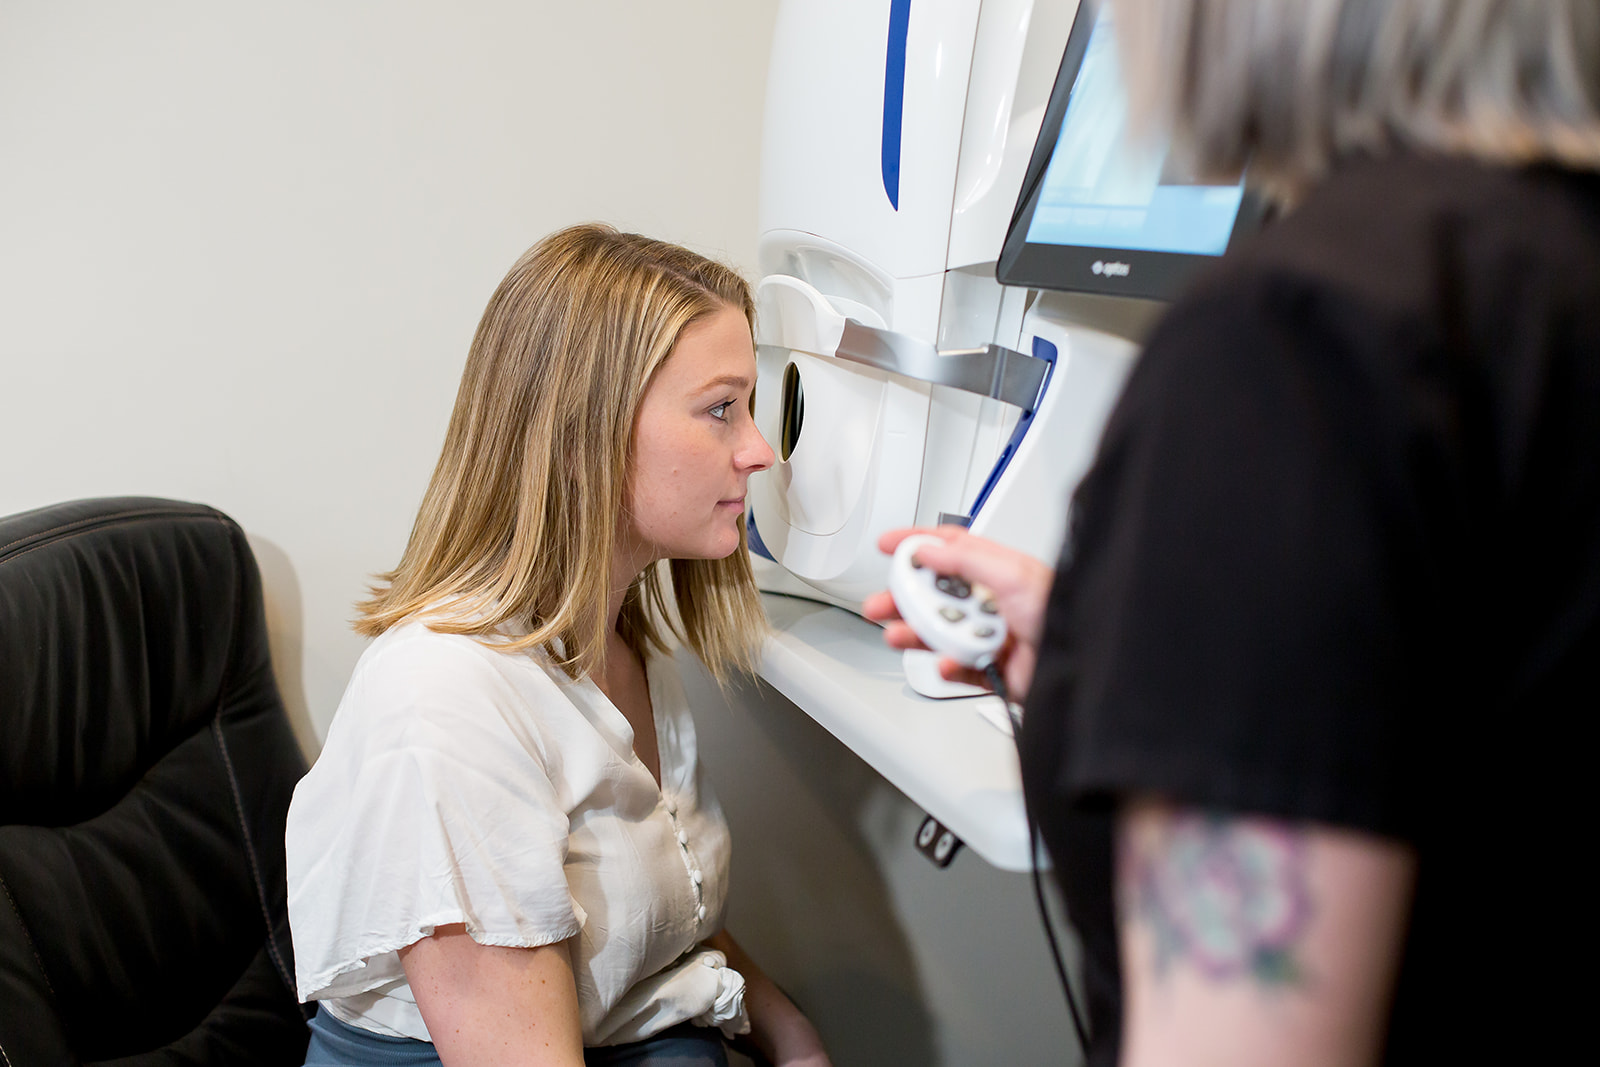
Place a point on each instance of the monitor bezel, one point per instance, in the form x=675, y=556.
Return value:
x=1142, y=273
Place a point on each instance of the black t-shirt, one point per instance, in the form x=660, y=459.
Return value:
x=1339, y=560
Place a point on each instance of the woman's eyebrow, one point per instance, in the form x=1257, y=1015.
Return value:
x=732, y=381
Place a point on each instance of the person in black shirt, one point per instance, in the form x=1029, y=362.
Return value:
x=1299, y=702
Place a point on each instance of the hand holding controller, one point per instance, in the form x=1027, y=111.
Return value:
x=952, y=616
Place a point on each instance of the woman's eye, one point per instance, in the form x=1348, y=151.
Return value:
x=721, y=410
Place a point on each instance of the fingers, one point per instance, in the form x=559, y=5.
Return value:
x=900, y=635
x=891, y=540
x=1019, y=582
x=974, y=558
x=1006, y=571
x=951, y=671
x=880, y=607
x=979, y=560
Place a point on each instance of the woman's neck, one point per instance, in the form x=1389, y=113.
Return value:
x=628, y=561
x=614, y=607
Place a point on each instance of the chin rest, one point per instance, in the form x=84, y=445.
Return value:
x=146, y=765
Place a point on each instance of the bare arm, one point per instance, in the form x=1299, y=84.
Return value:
x=785, y=1037
x=489, y=1005
x=1253, y=941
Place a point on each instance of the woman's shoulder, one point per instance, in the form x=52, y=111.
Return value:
x=417, y=658
x=416, y=680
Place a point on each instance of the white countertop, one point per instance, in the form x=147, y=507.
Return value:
x=942, y=754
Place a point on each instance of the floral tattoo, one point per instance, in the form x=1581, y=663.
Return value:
x=1228, y=897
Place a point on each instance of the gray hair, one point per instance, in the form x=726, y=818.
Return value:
x=1292, y=86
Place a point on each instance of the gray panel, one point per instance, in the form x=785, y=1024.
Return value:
x=895, y=960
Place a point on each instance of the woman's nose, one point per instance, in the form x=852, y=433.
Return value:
x=754, y=452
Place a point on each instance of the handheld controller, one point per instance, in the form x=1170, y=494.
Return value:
x=953, y=617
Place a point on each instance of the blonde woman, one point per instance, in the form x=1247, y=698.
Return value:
x=1298, y=704
x=507, y=852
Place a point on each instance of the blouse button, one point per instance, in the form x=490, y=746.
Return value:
x=696, y=877
x=683, y=837
x=700, y=913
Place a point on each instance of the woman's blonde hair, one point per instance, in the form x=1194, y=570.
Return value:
x=1292, y=86
x=516, y=531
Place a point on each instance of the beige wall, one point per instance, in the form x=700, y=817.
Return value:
x=243, y=246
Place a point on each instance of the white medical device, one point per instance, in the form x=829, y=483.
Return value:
x=896, y=137
x=900, y=382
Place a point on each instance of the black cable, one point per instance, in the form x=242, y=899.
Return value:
x=992, y=673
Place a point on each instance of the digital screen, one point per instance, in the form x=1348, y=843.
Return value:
x=1105, y=188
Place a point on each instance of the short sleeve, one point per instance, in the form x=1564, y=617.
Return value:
x=432, y=803
x=1231, y=625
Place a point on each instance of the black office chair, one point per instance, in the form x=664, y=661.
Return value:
x=146, y=765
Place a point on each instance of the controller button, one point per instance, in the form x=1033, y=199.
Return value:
x=948, y=583
x=989, y=607
x=983, y=631
x=952, y=614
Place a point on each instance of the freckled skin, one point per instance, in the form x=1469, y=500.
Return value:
x=462, y=984
x=695, y=446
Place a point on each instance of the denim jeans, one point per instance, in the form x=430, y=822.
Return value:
x=338, y=1044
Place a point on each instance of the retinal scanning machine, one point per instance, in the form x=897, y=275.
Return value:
x=937, y=177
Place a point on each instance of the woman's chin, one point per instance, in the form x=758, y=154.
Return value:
x=718, y=548
x=731, y=545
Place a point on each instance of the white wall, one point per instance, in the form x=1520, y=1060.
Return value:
x=243, y=247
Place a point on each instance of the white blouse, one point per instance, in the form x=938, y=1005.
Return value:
x=459, y=784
